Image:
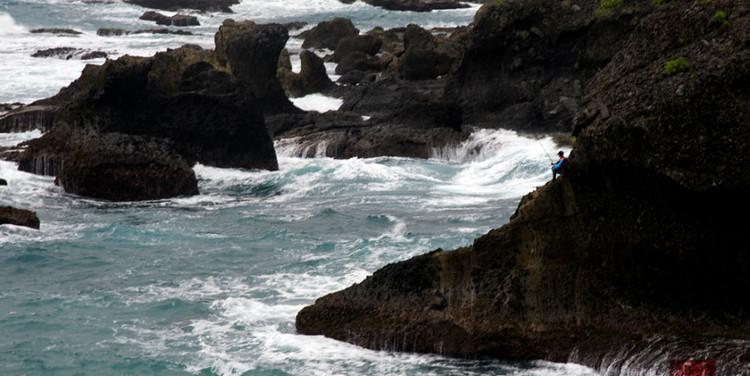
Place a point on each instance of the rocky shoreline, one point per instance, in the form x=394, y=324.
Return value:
x=634, y=258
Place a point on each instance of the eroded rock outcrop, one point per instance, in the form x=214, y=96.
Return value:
x=633, y=258
x=251, y=52
x=176, y=20
x=132, y=128
x=18, y=217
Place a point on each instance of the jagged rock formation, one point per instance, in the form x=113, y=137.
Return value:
x=174, y=5
x=18, y=217
x=635, y=256
x=132, y=128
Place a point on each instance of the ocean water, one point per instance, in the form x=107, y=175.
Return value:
x=211, y=284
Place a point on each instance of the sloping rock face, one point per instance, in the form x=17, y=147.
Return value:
x=526, y=62
x=18, y=217
x=633, y=258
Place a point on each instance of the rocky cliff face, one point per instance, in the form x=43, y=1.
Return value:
x=634, y=257
x=526, y=62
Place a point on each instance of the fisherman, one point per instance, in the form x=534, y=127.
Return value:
x=557, y=166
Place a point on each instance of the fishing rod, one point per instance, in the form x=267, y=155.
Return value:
x=545, y=150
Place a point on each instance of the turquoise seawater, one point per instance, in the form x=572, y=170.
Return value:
x=210, y=285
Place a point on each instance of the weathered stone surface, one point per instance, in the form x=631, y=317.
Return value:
x=67, y=53
x=635, y=251
x=18, y=217
x=505, y=79
x=176, y=20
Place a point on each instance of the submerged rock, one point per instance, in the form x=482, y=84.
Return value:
x=634, y=254
x=175, y=5
x=18, y=217
x=58, y=31
x=110, y=32
x=67, y=53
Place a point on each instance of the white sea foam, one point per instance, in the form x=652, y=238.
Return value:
x=8, y=25
x=318, y=102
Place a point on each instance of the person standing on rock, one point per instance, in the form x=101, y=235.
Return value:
x=557, y=166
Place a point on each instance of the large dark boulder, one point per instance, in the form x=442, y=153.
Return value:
x=111, y=166
x=251, y=52
x=18, y=217
x=327, y=34
x=174, y=5
x=3, y=182
x=633, y=257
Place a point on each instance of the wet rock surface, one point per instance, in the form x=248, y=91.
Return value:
x=18, y=217
x=176, y=20
x=174, y=5
x=67, y=53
